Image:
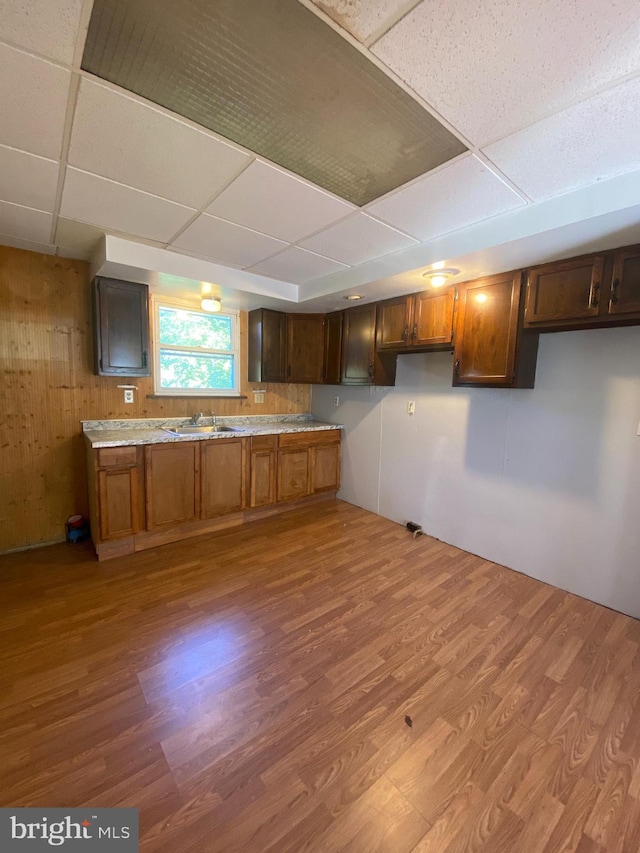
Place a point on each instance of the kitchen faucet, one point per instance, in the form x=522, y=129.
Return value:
x=195, y=418
x=213, y=419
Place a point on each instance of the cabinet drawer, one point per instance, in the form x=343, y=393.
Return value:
x=117, y=457
x=309, y=439
x=264, y=442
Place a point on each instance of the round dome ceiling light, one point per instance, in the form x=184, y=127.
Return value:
x=438, y=277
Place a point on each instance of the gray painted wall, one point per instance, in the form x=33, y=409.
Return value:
x=545, y=481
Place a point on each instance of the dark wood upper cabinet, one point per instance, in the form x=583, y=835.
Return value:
x=624, y=294
x=592, y=290
x=267, y=346
x=418, y=322
x=565, y=290
x=332, y=373
x=361, y=364
x=305, y=347
x=491, y=349
x=121, y=328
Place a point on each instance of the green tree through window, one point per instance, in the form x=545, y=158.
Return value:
x=197, y=352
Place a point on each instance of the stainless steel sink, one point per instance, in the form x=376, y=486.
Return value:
x=200, y=430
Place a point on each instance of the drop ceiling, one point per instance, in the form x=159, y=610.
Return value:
x=538, y=103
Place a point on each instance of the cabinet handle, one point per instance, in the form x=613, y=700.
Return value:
x=414, y=333
x=593, y=295
x=370, y=369
x=405, y=334
x=456, y=367
x=614, y=291
x=144, y=358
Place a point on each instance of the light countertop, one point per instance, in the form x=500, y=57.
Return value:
x=121, y=433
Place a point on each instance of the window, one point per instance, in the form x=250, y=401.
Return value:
x=195, y=353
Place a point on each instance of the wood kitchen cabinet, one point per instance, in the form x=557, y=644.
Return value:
x=267, y=346
x=262, y=470
x=222, y=476
x=121, y=328
x=623, y=297
x=172, y=483
x=415, y=323
x=332, y=372
x=591, y=290
x=361, y=363
x=116, y=493
x=491, y=349
x=305, y=347
x=308, y=463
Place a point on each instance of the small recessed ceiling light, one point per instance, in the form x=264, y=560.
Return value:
x=438, y=277
x=353, y=297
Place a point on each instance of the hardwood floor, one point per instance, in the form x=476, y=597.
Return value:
x=320, y=681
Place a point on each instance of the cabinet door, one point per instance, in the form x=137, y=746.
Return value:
x=121, y=320
x=394, y=322
x=432, y=318
x=333, y=348
x=625, y=287
x=358, y=345
x=172, y=483
x=267, y=343
x=293, y=473
x=305, y=347
x=486, y=331
x=325, y=468
x=566, y=290
x=118, y=500
x=222, y=476
x=262, y=470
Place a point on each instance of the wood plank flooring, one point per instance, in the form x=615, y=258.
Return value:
x=320, y=681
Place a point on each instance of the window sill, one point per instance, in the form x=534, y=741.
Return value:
x=196, y=396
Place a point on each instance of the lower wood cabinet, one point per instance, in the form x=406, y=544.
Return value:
x=172, y=481
x=157, y=493
x=262, y=470
x=116, y=491
x=222, y=476
x=308, y=463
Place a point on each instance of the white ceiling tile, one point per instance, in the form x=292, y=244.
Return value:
x=77, y=239
x=225, y=242
x=28, y=180
x=33, y=95
x=447, y=199
x=112, y=206
x=357, y=240
x=495, y=67
x=365, y=18
x=273, y=202
x=297, y=266
x=591, y=141
x=23, y=222
x=122, y=139
x=47, y=27
x=29, y=245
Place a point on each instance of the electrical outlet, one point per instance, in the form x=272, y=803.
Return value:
x=411, y=407
x=336, y=400
x=128, y=395
x=258, y=398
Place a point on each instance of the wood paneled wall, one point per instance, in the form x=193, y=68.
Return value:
x=47, y=386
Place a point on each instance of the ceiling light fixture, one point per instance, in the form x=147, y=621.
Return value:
x=353, y=297
x=438, y=277
x=210, y=304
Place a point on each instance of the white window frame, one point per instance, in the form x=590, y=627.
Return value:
x=166, y=302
